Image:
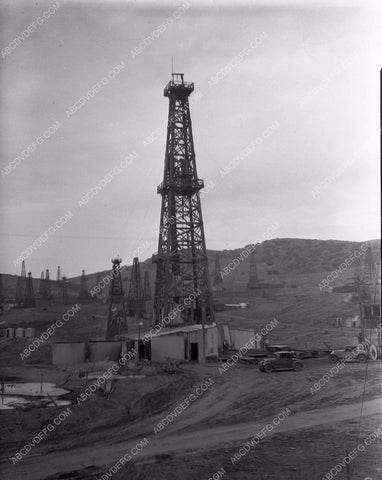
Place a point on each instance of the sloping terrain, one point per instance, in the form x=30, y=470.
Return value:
x=291, y=258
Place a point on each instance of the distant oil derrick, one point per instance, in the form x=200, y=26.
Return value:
x=147, y=287
x=182, y=264
x=253, y=278
x=116, y=322
x=217, y=285
x=370, y=270
x=95, y=296
x=47, y=294
x=29, y=300
x=135, y=299
x=23, y=271
x=84, y=294
x=271, y=270
x=358, y=274
x=64, y=289
x=41, y=288
x=22, y=282
x=58, y=278
x=19, y=295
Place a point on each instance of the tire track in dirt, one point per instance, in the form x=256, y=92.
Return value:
x=202, y=438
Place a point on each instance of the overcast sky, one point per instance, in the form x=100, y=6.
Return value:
x=315, y=71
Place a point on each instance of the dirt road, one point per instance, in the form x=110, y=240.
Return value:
x=106, y=455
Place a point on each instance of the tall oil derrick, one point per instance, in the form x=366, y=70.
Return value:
x=147, y=287
x=116, y=322
x=84, y=294
x=253, y=278
x=135, y=300
x=218, y=280
x=64, y=288
x=47, y=294
x=29, y=300
x=58, y=278
x=182, y=278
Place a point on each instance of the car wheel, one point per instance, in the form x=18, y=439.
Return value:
x=362, y=358
x=333, y=358
x=268, y=368
x=297, y=366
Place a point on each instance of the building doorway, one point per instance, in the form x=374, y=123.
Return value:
x=194, y=351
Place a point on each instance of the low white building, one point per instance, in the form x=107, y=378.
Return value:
x=353, y=322
x=185, y=343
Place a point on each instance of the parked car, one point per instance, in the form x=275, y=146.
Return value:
x=281, y=361
x=286, y=348
x=306, y=354
x=278, y=348
x=350, y=353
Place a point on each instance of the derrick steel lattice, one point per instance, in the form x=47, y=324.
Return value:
x=23, y=271
x=116, y=322
x=58, y=278
x=370, y=269
x=182, y=278
x=135, y=300
x=135, y=289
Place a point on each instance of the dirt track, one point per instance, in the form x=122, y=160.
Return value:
x=105, y=455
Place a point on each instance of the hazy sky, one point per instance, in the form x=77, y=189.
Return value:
x=316, y=73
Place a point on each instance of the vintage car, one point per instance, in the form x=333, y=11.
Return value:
x=360, y=353
x=281, y=361
x=278, y=348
